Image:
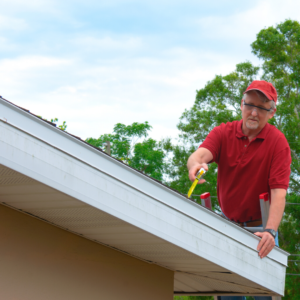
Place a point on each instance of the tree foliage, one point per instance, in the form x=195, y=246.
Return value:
x=63, y=126
x=145, y=155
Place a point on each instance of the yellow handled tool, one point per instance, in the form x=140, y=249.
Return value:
x=199, y=175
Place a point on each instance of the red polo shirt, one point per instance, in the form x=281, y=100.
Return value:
x=246, y=170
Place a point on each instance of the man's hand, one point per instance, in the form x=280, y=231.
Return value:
x=266, y=243
x=194, y=169
x=198, y=160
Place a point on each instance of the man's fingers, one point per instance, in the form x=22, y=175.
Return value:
x=264, y=249
x=192, y=175
x=258, y=234
x=205, y=166
x=266, y=244
x=267, y=248
x=194, y=170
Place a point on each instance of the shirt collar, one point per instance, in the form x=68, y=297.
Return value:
x=262, y=135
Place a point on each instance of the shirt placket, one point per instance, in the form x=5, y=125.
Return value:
x=244, y=146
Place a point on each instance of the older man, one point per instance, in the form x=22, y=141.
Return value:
x=253, y=157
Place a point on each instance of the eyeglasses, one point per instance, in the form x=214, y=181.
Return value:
x=261, y=110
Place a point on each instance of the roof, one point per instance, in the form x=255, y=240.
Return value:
x=54, y=176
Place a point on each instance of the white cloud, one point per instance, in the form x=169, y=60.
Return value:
x=35, y=10
x=93, y=98
x=25, y=75
x=18, y=5
x=246, y=24
x=122, y=43
x=6, y=45
x=27, y=63
x=10, y=23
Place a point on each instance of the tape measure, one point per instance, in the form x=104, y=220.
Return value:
x=199, y=176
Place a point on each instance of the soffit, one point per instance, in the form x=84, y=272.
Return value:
x=193, y=274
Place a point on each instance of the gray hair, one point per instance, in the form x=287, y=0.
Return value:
x=263, y=98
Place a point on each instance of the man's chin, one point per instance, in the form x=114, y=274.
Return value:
x=252, y=125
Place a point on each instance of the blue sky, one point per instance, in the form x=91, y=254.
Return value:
x=97, y=63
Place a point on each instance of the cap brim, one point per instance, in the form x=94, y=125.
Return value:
x=260, y=91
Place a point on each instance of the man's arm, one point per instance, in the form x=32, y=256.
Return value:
x=198, y=160
x=276, y=208
x=267, y=242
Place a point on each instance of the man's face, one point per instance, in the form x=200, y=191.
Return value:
x=255, y=118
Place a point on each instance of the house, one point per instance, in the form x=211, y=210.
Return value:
x=79, y=224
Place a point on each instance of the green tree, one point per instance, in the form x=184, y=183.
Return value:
x=131, y=145
x=219, y=101
x=148, y=158
x=63, y=126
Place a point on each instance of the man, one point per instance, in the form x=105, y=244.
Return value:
x=253, y=157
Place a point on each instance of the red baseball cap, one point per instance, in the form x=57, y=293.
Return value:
x=265, y=87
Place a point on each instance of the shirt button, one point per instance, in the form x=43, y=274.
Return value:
x=245, y=145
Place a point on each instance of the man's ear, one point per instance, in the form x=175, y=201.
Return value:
x=242, y=103
x=272, y=113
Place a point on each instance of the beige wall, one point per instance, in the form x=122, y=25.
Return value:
x=39, y=261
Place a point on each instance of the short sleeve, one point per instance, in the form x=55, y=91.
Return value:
x=281, y=166
x=213, y=142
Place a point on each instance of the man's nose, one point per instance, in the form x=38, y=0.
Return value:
x=254, y=112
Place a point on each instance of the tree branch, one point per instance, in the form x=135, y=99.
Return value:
x=296, y=112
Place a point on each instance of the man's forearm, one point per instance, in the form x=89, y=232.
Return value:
x=276, y=208
x=267, y=242
x=193, y=159
x=201, y=155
